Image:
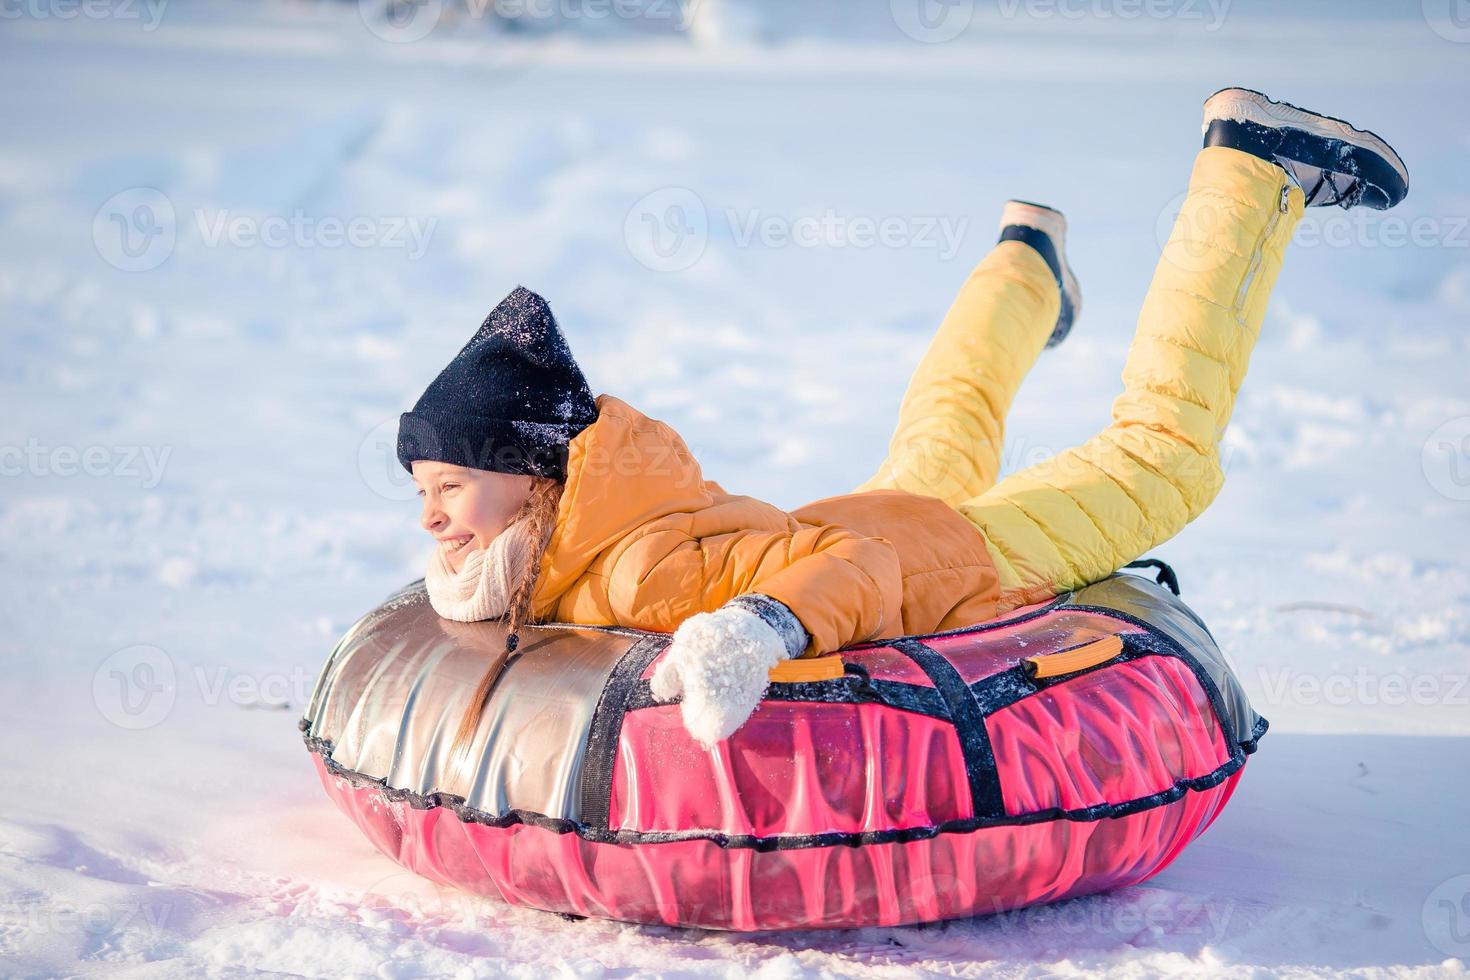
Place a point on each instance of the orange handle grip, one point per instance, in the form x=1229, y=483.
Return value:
x=1075, y=659
x=805, y=669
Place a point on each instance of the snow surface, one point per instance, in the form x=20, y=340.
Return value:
x=199, y=492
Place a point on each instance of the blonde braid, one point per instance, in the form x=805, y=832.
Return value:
x=539, y=511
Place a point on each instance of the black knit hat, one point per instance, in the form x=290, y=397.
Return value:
x=509, y=402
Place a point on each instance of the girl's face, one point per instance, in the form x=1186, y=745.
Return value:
x=466, y=509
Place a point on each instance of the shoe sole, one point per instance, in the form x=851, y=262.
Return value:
x=1375, y=162
x=1053, y=224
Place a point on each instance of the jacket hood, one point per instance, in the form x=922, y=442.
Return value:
x=623, y=470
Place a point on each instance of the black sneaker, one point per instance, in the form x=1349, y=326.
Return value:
x=1332, y=161
x=1045, y=230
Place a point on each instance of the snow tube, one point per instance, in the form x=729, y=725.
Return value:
x=1069, y=748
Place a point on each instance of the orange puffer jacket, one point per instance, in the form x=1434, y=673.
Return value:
x=643, y=540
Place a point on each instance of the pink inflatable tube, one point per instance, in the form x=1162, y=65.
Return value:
x=1068, y=749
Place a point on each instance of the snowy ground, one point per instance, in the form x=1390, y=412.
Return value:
x=198, y=494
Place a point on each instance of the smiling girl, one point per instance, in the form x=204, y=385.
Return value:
x=549, y=504
x=475, y=515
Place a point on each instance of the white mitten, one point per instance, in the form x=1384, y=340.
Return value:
x=720, y=663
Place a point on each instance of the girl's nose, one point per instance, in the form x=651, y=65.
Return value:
x=432, y=518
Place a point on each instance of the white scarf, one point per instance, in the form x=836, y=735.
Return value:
x=481, y=587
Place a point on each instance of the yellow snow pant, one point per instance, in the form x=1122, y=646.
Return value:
x=1084, y=513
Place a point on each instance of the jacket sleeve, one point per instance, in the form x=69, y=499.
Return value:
x=843, y=586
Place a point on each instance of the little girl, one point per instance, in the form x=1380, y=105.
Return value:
x=549, y=504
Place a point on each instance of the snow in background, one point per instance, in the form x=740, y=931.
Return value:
x=198, y=492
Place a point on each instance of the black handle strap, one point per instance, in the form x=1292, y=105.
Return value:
x=969, y=724
x=1166, y=576
x=595, y=789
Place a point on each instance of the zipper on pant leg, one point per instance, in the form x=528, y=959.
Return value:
x=1258, y=253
